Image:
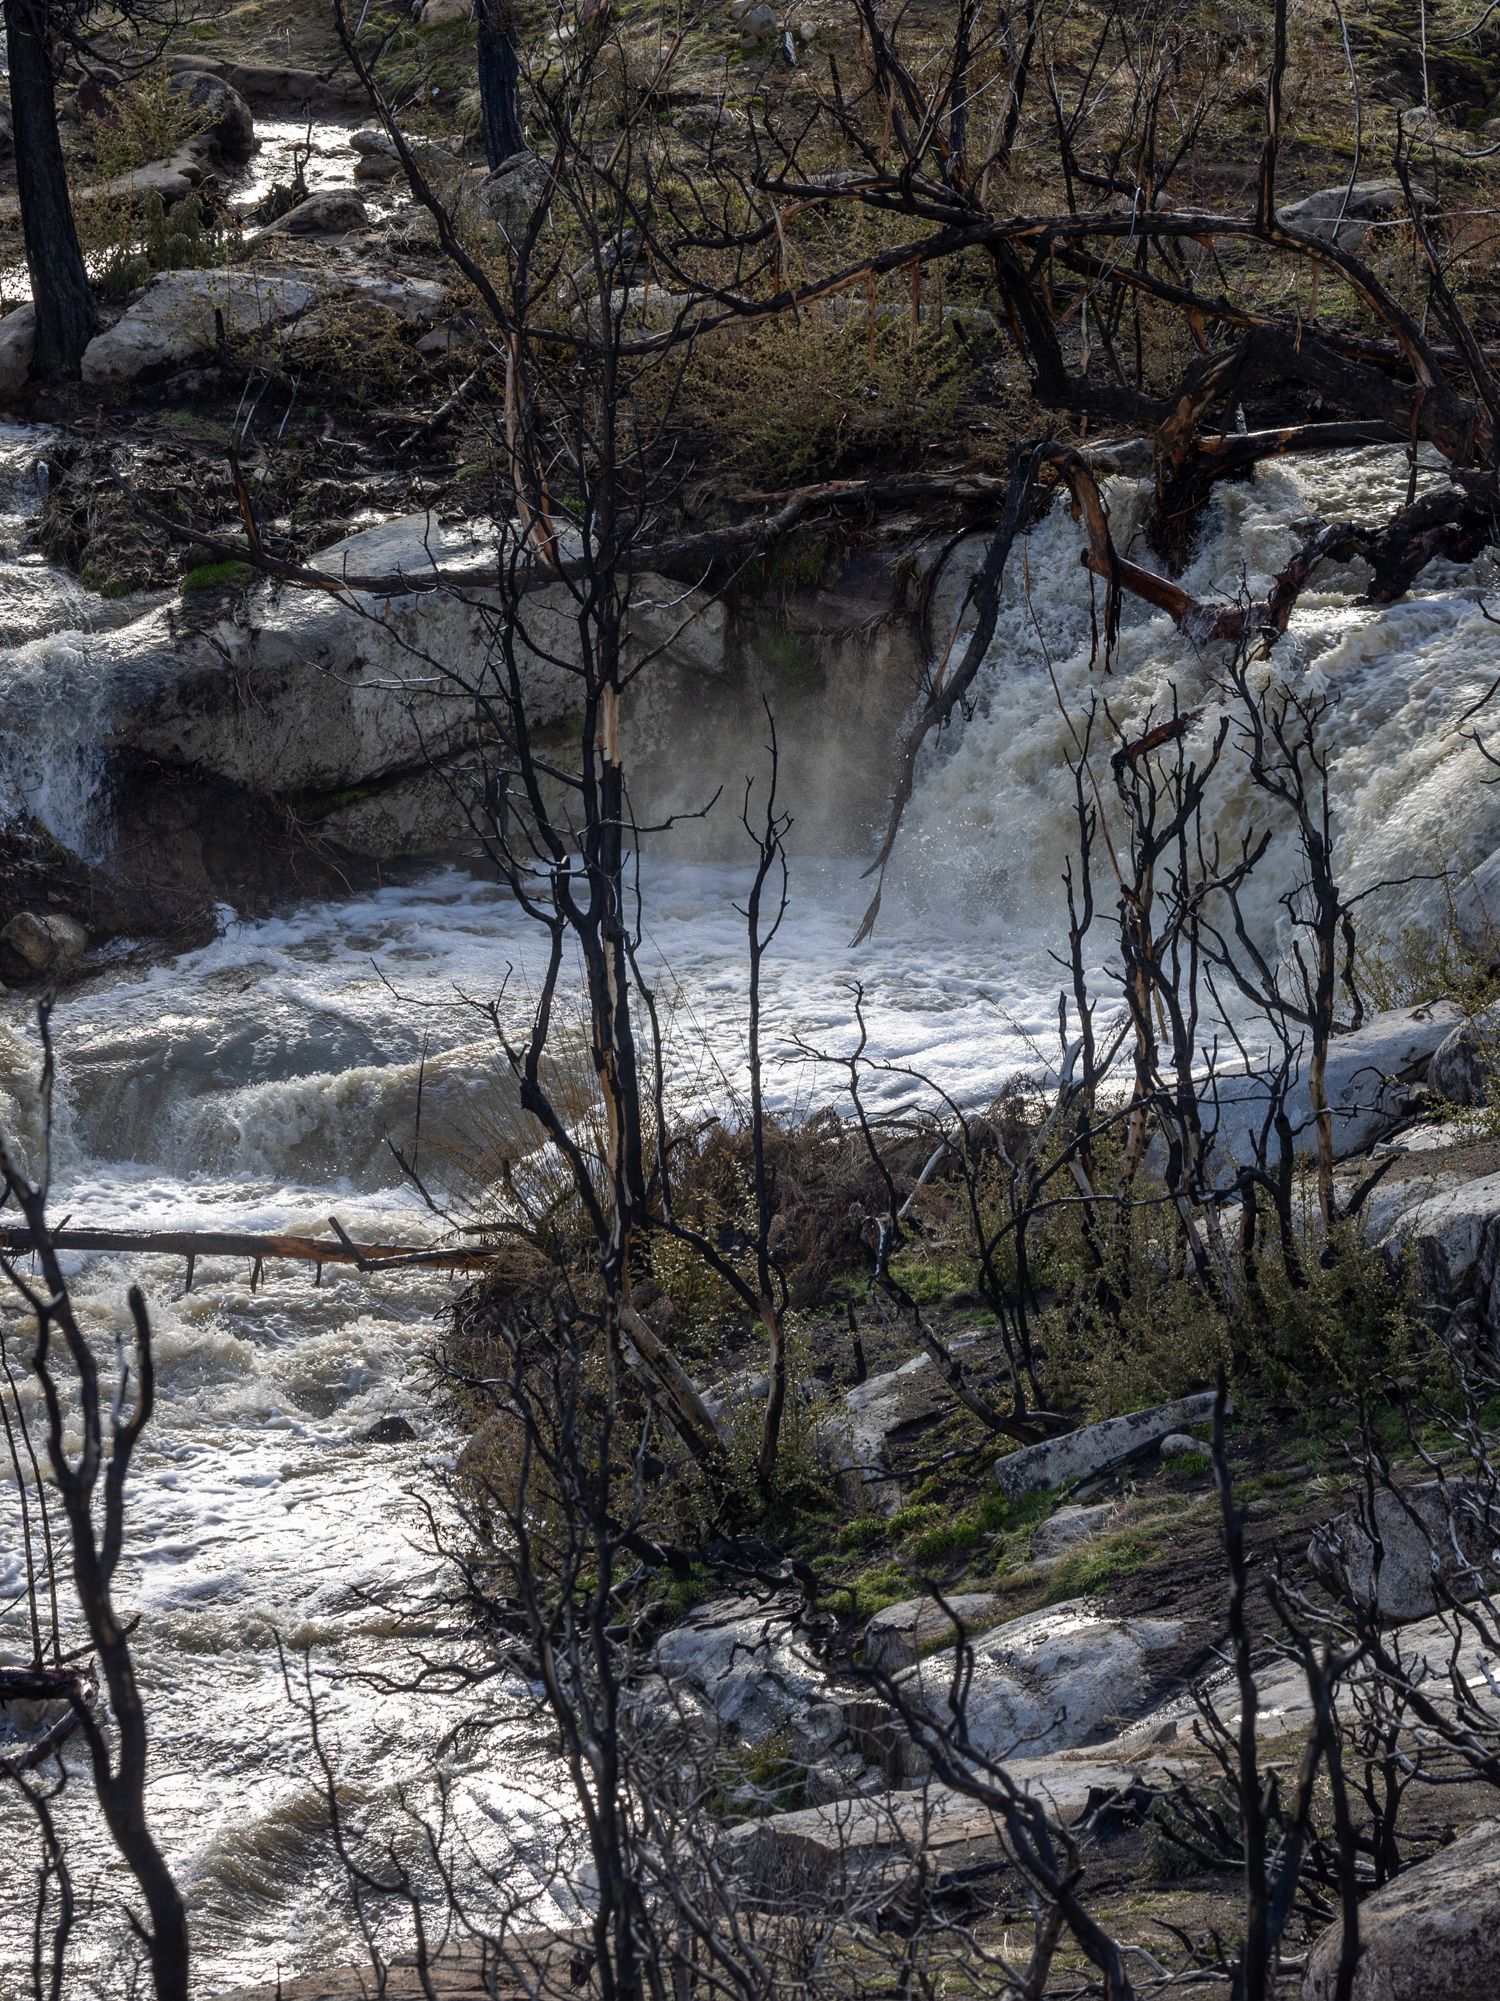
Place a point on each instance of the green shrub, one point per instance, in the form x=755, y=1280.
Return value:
x=1138, y=1333
x=931, y=1275
x=131, y=244
x=683, y=1593
x=147, y=120
x=873, y=1589
x=356, y=350
x=948, y=1539
x=1350, y=1327
x=1421, y=963
x=1102, y=1563
x=861, y=1534
x=767, y=1772
x=1188, y=1466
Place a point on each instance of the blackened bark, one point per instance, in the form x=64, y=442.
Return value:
x=65, y=317
x=499, y=81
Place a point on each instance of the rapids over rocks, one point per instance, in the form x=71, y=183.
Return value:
x=253, y=1083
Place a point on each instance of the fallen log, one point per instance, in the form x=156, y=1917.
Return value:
x=40, y=1684
x=37, y=1683
x=193, y=1244
x=1189, y=614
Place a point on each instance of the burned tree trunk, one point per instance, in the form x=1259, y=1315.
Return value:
x=499, y=81
x=65, y=316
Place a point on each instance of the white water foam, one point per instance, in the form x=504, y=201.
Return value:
x=994, y=816
x=250, y=1085
x=53, y=695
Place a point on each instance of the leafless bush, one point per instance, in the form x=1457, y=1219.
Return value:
x=107, y=1420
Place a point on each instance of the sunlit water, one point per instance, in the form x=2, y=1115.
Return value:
x=320, y=148
x=254, y=1083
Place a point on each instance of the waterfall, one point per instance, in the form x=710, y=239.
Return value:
x=993, y=818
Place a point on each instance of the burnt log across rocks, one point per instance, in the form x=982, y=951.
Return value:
x=258, y=1246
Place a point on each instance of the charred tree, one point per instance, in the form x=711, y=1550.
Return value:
x=65, y=315
x=499, y=66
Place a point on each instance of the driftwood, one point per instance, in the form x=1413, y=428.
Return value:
x=341, y=1249
x=74, y=1686
x=39, y=1684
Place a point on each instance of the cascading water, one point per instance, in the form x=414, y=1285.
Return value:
x=52, y=704
x=995, y=818
x=252, y=1083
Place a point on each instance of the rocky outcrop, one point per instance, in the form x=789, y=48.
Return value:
x=388, y=1431
x=314, y=694
x=1348, y=215
x=1052, y=1680
x=901, y=1634
x=39, y=878
x=748, y=1664
x=17, y=344
x=857, y=1439
x=241, y=706
x=223, y=125
x=1432, y=1935
x=1463, y=1065
x=332, y=211
x=371, y=143
x=1415, y=1552
x=1180, y=1445
x=756, y=20
x=1476, y=910
x=881, y=1842
x=1078, y=1455
x=1046, y=1682
x=511, y=195
x=1432, y=1651
x=184, y=316
x=51, y=943
x=323, y=711
x=379, y=160
x=1367, y=1082
x=273, y=87
x=1446, y=1225
x=222, y=136
x=1068, y=1529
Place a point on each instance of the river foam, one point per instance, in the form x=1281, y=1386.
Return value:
x=994, y=817
x=254, y=1083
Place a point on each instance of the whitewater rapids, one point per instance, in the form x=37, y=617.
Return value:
x=253, y=1083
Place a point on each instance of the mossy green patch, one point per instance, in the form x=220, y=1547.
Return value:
x=873, y=1589
x=218, y=576
x=1188, y=1466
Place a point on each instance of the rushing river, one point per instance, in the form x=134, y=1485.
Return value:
x=253, y=1084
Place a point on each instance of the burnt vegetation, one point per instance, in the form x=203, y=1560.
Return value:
x=1062, y=232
